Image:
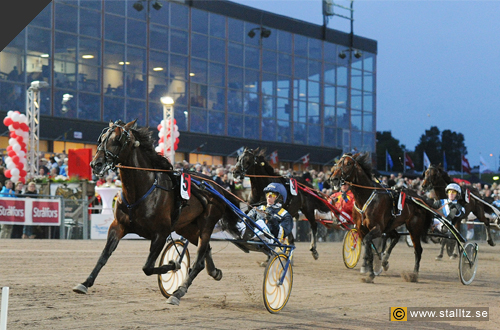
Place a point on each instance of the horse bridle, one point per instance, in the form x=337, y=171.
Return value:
x=109, y=157
x=343, y=175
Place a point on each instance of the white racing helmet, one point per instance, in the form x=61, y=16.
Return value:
x=453, y=186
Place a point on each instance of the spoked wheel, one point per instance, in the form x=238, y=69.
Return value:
x=169, y=282
x=276, y=295
x=467, y=267
x=351, y=248
x=377, y=256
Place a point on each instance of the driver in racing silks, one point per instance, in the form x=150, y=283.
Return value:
x=452, y=211
x=449, y=207
x=271, y=217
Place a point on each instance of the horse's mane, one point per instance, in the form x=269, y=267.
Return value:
x=363, y=160
x=444, y=174
x=144, y=136
x=261, y=158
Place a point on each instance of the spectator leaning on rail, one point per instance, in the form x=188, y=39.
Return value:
x=7, y=191
x=31, y=190
x=272, y=217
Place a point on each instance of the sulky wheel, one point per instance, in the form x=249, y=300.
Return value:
x=351, y=248
x=467, y=266
x=276, y=295
x=170, y=281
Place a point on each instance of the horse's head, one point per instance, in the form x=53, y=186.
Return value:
x=349, y=167
x=431, y=177
x=115, y=143
x=244, y=162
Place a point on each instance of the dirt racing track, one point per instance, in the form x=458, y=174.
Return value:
x=325, y=294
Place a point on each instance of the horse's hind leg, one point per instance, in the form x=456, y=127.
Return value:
x=314, y=234
x=155, y=249
x=489, y=237
x=443, y=244
x=211, y=269
x=394, y=236
x=115, y=233
x=197, y=267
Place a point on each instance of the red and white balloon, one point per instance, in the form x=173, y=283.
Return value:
x=16, y=162
x=162, y=129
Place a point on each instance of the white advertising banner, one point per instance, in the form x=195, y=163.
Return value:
x=30, y=211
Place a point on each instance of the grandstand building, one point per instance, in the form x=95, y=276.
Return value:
x=239, y=77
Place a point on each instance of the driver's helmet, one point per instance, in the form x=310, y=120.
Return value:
x=277, y=188
x=455, y=187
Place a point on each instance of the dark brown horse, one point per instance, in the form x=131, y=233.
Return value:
x=150, y=205
x=253, y=163
x=374, y=213
x=436, y=178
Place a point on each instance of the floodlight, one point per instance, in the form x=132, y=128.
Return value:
x=138, y=6
x=342, y=55
x=157, y=5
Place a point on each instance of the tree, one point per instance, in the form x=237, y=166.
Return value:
x=385, y=141
x=452, y=144
x=433, y=142
x=430, y=142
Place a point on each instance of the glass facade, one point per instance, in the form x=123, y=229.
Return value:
x=117, y=63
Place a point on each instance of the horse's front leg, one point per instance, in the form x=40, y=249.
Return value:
x=115, y=233
x=368, y=240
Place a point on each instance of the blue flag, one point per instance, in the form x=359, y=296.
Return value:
x=389, y=160
x=445, y=164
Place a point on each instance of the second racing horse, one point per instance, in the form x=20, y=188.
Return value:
x=252, y=163
x=436, y=178
x=150, y=204
x=374, y=213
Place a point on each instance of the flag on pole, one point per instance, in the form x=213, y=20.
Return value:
x=465, y=165
x=240, y=151
x=483, y=166
x=409, y=162
x=445, y=163
x=305, y=160
x=388, y=160
x=274, y=157
x=427, y=162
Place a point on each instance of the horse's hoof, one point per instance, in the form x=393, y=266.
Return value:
x=315, y=254
x=491, y=242
x=454, y=256
x=218, y=275
x=173, y=300
x=80, y=288
x=439, y=257
x=263, y=264
x=410, y=277
x=385, y=266
x=368, y=279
